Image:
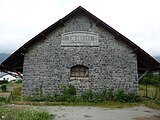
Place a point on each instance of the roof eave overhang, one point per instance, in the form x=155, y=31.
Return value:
x=16, y=59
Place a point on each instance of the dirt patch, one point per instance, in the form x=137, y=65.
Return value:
x=147, y=118
x=87, y=116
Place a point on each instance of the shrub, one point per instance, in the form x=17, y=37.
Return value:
x=123, y=97
x=3, y=99
x=87, y=96
x=120, y=96
x=38, y=99
x=69, y=95
x=19, y=81
x=90, y=96
x=109, y=95
x=157, y=102
x=4, y=87
x=4, y=82
x=69, y=90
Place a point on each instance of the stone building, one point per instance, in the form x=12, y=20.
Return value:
x=81, y=50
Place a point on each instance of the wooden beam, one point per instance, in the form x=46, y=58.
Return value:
x=18, y=73
x=143, y=75
x=144, y=69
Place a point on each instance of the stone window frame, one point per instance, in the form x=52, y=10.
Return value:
x=79, y=71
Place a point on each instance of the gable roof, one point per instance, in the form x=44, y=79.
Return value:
x=145, y=61
x=2, y=74
x=4, y=68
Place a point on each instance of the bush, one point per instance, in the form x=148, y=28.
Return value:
x=124, y=97
x=4, y=87
x=19, y=81
x=69, y=90
x=157, y=102
x=69, y=95
x=105, y=95
x=87, y=96
x=4, y=82
x=3, y=99
x=108, y=95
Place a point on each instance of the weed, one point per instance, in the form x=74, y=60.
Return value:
x=4, y=87
x=18, y=113
x=124, y=97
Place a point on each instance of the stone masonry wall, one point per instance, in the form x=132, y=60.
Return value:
x=112, y=65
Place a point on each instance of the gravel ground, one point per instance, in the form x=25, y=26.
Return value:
x=96, y=113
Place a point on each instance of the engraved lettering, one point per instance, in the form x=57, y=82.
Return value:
x=66, y=38
x=80, y=38
x=76, y=37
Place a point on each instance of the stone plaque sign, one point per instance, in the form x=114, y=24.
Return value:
x=80, y=38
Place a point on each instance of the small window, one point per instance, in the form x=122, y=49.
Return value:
x=79, y=71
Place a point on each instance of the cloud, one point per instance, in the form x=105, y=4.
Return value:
x=20, y=20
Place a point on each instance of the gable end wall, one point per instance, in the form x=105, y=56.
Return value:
x=112, y=65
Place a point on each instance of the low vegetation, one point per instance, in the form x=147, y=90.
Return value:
x=109, y=98
x=149, y=96
x=3, y=85
x=106, y=98
x=22, y=113
x=69, y=95
x=150, y=86
x=107, y=104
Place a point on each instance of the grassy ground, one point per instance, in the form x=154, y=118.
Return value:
x=151, y=91
x=22, y=113
x=108, y=104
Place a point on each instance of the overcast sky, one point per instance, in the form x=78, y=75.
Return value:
x=138, y=20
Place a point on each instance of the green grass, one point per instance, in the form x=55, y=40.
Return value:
x=22, y=113
x=109, y=104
